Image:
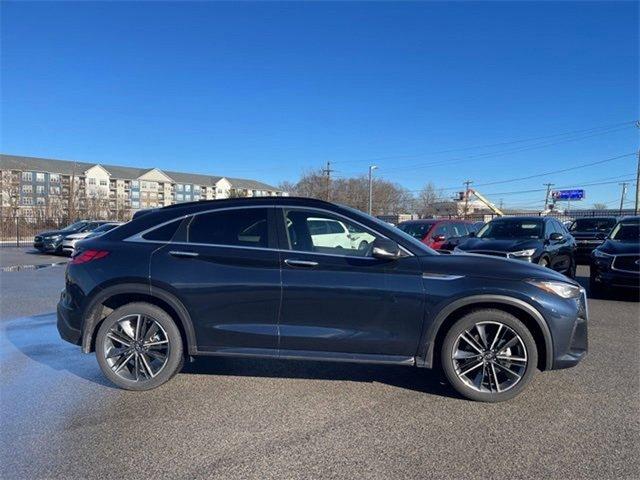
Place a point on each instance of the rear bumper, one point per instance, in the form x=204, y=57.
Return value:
x=68, y=322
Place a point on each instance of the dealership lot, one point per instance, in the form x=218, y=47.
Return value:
x=230, y=418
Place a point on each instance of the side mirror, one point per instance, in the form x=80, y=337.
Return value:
x=439, y=238
x=385, y=249
x=556, y=237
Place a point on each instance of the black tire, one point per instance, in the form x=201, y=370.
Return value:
x=175, y=355
x=468, y=322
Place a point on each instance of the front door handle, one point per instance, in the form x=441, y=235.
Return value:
x=300, y=263
x=178, y=253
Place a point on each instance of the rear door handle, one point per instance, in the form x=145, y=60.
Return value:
x=300, y=263
x=177, y=253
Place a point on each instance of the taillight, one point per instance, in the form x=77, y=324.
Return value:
x=89, y=256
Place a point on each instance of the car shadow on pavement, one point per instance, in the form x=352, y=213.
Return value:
x=37, y=337
x=410, y=378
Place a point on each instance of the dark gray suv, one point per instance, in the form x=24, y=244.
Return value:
x=256, y=278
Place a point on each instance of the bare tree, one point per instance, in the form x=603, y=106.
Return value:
x=427, y=197
x=600, y=206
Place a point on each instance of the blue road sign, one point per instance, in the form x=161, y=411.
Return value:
x=576, y=194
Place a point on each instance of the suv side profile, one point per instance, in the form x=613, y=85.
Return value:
x=247, y=278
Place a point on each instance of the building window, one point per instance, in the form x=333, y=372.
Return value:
x=135, y=204
x=27, y=189
x=135, y=194
x=219, y=190
x=143, y=185
x=27, y=201
x=179, y=197
x=103, y=183
x=27, y=176
x=54, y=190
x=134, y=184
x=196, y=197
x=40, y=201
x=179, y=187
x=54, y=178
x=153, y=185
x=187, y=188
x=40, y=189
x=91, y=181
x=39, y=177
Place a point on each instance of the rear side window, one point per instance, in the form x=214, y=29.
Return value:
x=164, y=233
x=243, y=228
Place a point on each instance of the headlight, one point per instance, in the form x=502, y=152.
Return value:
x=600, y=254
x=523, y=253
x=54, y=237
x=562, y=289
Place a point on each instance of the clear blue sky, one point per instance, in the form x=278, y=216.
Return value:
x=269, y=90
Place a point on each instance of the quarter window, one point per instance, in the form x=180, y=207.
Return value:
x=164, y=233
x=242, y=228
x=310, y=231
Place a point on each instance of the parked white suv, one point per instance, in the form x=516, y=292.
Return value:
x=69, y=243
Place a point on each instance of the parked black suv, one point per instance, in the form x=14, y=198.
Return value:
x=541, y=240
x=249, y=277
x=51, y=241
x=590, y=232
x=616, y=263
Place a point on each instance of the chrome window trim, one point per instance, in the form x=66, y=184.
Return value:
x=138, y=237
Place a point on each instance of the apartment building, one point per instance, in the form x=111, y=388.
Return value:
x=29, y=185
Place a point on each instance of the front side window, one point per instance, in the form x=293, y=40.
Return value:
x=241, y=228
x=310, y=231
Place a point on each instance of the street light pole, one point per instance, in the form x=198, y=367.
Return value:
x=371, y=169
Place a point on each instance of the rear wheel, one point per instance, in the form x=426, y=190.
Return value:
x=489, y=355
x=139, y=347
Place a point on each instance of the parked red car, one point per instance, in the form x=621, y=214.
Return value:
x=438, y=234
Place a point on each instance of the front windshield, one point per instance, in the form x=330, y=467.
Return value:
x=593, y=225
x=626, y=232
x=74, y=226
x=416, y=230
x=507, y=229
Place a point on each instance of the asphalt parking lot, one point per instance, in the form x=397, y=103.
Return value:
x=229, y=418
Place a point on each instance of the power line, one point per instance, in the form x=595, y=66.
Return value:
x=327, y=171
x=605, y=128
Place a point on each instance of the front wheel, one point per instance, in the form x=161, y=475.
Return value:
x=139, y=347
x=489, y=355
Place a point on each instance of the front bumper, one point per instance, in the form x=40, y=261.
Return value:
x=615, y=278
x=569, y=352
x=47, y=245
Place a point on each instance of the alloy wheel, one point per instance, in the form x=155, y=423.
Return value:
x=136, y=348
x=489, y=357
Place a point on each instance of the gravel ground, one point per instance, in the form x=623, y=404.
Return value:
x=229, y=418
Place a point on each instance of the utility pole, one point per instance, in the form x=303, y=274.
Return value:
x=546, y=198
x=371, y=169
x=466, y=197
x=624, y=192
x=327, y=171
x=637, y=186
